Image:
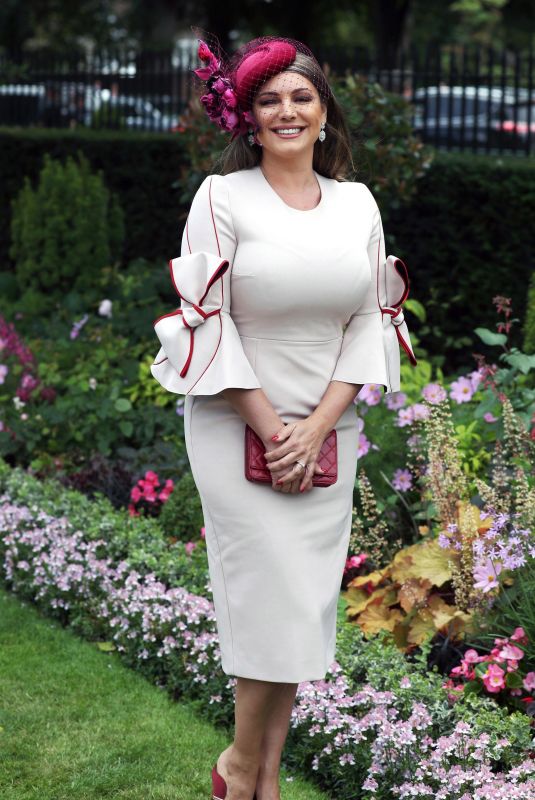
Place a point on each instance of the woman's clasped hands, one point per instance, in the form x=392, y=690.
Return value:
x=295, y=441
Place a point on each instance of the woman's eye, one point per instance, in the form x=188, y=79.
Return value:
x=302, y=99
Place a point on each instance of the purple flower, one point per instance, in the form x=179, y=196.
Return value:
x=461, y=390
x=77, y=326
x=402, y=480
x=4, y=369
x=395, y=400
x=444, y=541
x=434, y=393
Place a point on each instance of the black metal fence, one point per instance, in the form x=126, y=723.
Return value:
x=462, y=98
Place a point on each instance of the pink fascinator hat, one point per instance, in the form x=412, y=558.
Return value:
x=231, y=81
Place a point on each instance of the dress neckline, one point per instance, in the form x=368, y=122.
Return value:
x=321, y=184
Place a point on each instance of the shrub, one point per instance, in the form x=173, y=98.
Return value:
x=182, y=515
x=529, y=324
x=66, y=229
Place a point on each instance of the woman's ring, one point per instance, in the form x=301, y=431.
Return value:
x=302, y=465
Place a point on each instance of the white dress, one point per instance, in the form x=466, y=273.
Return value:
x=266, y=291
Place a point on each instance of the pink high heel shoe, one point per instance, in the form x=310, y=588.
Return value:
x=219, y=787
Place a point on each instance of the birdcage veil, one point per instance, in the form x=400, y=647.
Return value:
x=231, y=81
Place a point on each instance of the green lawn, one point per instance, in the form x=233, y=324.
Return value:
x=75, y=723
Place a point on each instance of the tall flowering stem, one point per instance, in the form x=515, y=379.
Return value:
x=448, y=488
x=511, y=489
x=369, y=530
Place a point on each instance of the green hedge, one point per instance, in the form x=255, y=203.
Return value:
x=465, y=236
x=141, y=168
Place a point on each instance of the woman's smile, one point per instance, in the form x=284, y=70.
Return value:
x=288, y=131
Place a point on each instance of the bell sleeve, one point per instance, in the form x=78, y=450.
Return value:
x=201, y=351
x=376, y=331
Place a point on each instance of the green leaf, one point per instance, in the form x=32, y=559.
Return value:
x=126, y=427
x=520, y=361
x=489, y=337
x=106, y=647
x=122, y=404
x=473, y=687
x=481, y=668
x=513, y=680
x=415, y=307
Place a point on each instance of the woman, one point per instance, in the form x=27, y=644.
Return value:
x=279, y=252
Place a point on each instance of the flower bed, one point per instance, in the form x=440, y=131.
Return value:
x=390, y=732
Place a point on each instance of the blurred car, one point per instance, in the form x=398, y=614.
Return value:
x=459, y=114
x=515, y=129
x=126, y=111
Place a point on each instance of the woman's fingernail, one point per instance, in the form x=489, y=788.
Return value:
x=302, y=489
x=274, y=438
x=278, y=483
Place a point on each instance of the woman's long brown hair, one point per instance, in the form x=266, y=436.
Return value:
x=332, y=157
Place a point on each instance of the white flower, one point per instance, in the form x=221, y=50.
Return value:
x=92, y=383
x=105, y=307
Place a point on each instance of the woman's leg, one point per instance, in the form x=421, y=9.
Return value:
x=239, y=764
x=275, y=733
x=262, y=717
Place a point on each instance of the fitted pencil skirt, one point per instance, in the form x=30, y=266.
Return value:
x=275, y=560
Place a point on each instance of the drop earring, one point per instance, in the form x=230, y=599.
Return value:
x=250, y=138
x=322, y=134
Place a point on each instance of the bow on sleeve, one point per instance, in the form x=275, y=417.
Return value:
x=395, y=291
x=201, y=351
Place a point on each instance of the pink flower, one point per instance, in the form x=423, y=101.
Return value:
x=370, y=394
x=355, y=561
x=461, y=390
x=402, y=480
x=434, y=393
x=229, y=98
x=488, y=416
x=486, y=575
x=519, y=635
x=494, y=679
x=473, y=657
x=203, y=532
x=204, y=52
x=475, y=378
x=404, y=417
x=419, y=411
x=529, y=682
x=229, y=119
x=395, y=400
x=189, y=547
x=364, y=445
x=511, y=652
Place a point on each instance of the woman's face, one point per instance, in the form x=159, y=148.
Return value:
x=284, y=102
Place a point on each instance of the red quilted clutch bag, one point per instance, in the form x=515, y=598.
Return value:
x=256, y=468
